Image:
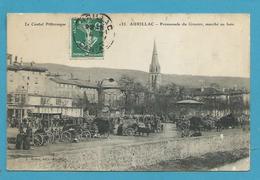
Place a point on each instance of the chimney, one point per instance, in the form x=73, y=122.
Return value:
x=15, y=59
x=9, y=59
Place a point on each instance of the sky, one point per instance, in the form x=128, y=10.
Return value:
x=194, y=48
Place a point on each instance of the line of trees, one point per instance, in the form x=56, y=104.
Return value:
x=138, y=99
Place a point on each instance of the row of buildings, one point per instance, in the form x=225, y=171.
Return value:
x=31, y=89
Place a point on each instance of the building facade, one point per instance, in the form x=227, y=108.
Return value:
x=25, y=77
x=32, y=90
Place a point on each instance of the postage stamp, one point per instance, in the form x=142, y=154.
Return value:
x=87, y=37
x=90, y=35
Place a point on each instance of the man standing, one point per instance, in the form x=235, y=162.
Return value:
x=19, y=139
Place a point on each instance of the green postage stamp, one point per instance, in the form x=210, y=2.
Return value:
x=87, y=38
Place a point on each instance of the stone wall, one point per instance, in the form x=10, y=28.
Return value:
x=123, y=157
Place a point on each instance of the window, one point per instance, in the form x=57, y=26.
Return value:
x=23, y=98
x=10, y=98
x=43, y=100
x=17, y=98
x=58, y=101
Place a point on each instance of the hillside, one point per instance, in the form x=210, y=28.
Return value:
x=95, y=74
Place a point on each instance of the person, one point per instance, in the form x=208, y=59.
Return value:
x=12, y=122
x=120, y=129
x=27, y=138
x=25, y=122
x=19, y=139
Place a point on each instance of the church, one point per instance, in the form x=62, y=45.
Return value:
x=154, y=71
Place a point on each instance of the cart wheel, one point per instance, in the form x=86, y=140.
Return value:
x=85, y=135
x=37, y=140
x=129, y=131
x=66, y=136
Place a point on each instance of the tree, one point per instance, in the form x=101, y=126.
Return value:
x=165, y=98
x=126, y=83
x=134, y=93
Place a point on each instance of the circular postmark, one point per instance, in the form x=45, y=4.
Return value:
x=91, y=34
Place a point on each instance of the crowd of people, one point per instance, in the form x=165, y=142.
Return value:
x=113, y=124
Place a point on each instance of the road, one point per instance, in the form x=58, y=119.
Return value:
x=168, y=132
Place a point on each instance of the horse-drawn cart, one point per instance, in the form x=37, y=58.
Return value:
x=69, y=133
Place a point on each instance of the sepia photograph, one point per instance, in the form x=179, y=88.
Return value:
x=128, y=92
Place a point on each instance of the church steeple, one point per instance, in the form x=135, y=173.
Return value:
x=154, y=70
x=155, y=66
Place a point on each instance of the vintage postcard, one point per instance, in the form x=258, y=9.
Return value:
x=128, y=92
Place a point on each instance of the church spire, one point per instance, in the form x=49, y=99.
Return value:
x=154, y=71
x=155, y=66
x=154, y=47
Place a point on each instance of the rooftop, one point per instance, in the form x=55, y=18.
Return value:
x=26, y=67
x=77, y=82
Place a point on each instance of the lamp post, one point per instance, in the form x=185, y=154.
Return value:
x=100, y=93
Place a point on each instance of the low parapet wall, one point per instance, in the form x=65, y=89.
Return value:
x=123, y=157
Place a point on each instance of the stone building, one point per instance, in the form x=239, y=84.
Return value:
x=25, y=77
x=32, y=89
x=73, y=88
x=29, y=91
